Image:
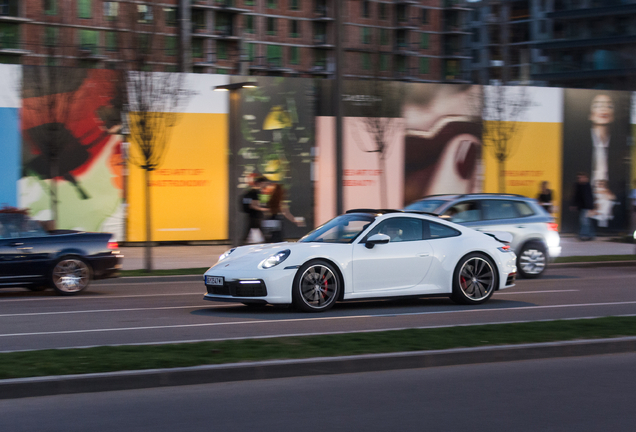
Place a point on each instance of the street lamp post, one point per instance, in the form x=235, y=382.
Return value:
x=234, y=146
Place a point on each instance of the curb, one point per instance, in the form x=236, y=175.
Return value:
x=129, y=380
x=594, y=264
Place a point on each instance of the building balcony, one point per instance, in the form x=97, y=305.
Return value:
x=456, y=4
x=321, y=13
x=607, y=9
x=569, y=70
x=587, y=42
x=322, y=41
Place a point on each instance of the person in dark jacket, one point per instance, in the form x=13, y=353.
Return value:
x=252, y=206
x=583, y=202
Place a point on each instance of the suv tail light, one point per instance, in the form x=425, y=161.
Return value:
x=553, y=226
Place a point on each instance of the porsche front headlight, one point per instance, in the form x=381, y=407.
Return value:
x=275, y=259
x=226, y=254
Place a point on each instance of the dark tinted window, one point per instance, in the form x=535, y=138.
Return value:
x=434, y=230
x=465, y=211
x=400, y=229
x=14, y=225
x=499, y=209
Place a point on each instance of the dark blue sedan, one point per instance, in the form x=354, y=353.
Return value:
x=65, y=260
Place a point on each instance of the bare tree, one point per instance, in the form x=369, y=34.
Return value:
x=503, y=108
x=50, y=93
x=378, y=123
x=151, y=100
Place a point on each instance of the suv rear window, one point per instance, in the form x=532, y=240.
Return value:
x=504, y=209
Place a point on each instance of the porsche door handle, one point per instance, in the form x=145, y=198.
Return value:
x=425, y=254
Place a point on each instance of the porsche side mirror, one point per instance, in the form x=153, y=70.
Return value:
x=377, y=239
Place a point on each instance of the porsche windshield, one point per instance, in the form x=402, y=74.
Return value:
x=342, y=229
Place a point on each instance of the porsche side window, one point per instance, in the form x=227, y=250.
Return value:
x=434, y=230
x=399, y=229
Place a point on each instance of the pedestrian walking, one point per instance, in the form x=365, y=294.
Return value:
x=545, y=196
x=583, y=202
x=251, y=205
x=278, y=211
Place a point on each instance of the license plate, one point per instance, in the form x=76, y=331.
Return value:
x=214, y=280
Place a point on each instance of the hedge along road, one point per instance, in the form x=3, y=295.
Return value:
x=138, y=310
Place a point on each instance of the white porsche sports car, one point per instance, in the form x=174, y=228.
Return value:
x=367, y=254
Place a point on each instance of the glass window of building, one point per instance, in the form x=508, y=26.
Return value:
x=170, y=44
x=423, y=40
x=271, y=26
x=111, y=9
x=294, y=5
x=50, y=7
x=170, y=16
x=84, y=9
x=293, y=55
x=111, y=41
x=249, y=23
x=294, y=28
x=424, y=65
x=144, y=14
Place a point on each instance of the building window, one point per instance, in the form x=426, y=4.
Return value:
x=170, y=44
x=382, y=11
x=198, y=20
x=251, y=50
x=170, y=16
x=424, y=65
x=365, y=33
x=366, y=9
x=221, y=72
x=384, y=36
x=84, y=9
x=111, y=10
x=88, y=40
x=294, y=28
x=293, y=55
x=111, y=41
x=249, y=2
x=400, y=64
x=274, y=55
x=221, y=50
x=197, y=48
x=423, y=40
x=144, y=14
x=50, y=7
x=294, y=5
x=271, y=26
x=476, y=56
x=384, y=62
x=50, y=36
x=249, y=23
x=272, y=4
x=424, y=16
x=366, y=61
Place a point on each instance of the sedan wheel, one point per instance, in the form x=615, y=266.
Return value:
x=70, y=276
x=532, y=260
x=316, y=287
x=474, y=279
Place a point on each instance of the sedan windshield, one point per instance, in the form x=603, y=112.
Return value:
x=342, y=229
x=428, y=205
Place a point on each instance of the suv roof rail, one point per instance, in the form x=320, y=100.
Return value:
x=368, y=210
x=492, y=193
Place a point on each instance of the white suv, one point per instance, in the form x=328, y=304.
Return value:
x=535, y=234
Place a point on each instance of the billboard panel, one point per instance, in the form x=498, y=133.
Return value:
x=596, y=141
x=535, y=147
x=10, y=125
x=80, y=114
x=189, y=191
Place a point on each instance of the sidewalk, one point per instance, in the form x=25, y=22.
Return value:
x=195, y=256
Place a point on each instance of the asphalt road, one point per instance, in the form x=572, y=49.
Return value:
x=133, y=311
x=573, y=394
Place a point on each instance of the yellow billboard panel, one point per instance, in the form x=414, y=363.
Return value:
x=189, y=191
x=536, y=156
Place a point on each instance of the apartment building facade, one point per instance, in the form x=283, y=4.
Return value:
x=408, y=40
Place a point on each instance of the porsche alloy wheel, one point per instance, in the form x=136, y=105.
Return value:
x=474, y=279
x=70, y=276
x=316, y=287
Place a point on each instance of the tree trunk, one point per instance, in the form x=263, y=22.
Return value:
x=54, y=172
x=502, y=176
x=383, y=203
x=148, y=247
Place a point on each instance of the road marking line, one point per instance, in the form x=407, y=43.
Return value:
x=107, y=297
x=312, y=319
x=534, y=292
x=109, y=310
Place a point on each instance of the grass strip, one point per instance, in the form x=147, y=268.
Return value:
x=110, y=359
x=597, y=258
